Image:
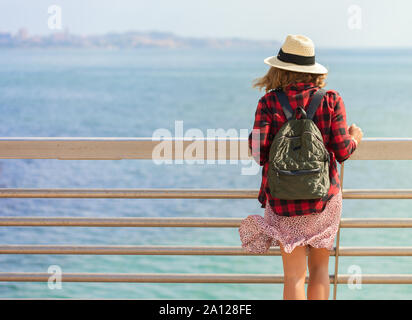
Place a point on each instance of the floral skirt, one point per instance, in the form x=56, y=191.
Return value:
x=317, y=230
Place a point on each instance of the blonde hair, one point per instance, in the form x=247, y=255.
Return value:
x=279, y=78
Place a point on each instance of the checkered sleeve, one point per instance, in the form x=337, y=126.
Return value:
x=341, y=141
x=260, y=137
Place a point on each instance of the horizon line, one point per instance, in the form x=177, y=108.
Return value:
x=171, y=33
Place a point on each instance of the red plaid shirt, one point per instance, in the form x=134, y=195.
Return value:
x=330, y=117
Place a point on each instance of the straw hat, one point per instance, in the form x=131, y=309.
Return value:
x=297, y=54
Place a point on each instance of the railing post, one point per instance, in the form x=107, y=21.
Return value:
x=335, y=280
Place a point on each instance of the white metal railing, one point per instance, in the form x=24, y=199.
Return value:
x=142, y=148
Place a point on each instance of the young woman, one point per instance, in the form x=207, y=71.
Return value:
x=300, y=227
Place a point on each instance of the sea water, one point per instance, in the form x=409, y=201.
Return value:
x=132, y=93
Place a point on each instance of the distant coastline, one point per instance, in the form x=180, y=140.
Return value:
x=130, y=39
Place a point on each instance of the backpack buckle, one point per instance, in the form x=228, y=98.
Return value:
x=302, y=112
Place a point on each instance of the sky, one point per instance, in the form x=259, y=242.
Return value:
x=329, y=23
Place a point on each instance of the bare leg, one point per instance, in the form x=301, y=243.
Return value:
x=294, y=269
x=318, y=261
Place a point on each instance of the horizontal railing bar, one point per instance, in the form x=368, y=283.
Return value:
x=212, y=148
x=129, y=250
x=375, y=251
x=203, y=222
x=184, y=250
x=131, y=193
x=157, y=193
x=377, y=193
x=119, y=222
x=191, y=278
x=376, y=223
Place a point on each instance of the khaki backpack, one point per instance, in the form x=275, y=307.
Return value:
x=298, y=158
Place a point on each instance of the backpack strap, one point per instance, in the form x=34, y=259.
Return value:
x=311, y=110
x=284, y=102
x=314, y=104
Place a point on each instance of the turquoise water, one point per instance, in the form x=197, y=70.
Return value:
x=98, y=93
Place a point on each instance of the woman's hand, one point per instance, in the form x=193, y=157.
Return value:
x=355, y=132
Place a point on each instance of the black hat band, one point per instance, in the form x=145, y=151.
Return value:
x=296, y=59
